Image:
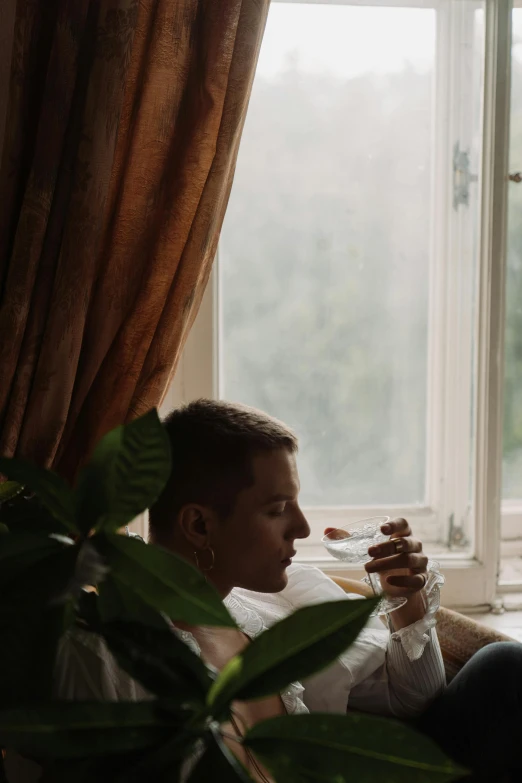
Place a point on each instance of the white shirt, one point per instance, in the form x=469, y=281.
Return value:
x=389, y=674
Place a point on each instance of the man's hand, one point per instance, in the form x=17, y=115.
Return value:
x=402, y=568
x=400, y=562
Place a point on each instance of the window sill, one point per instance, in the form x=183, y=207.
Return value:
x=509, y=623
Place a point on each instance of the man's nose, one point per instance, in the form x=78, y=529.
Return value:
x=302, y=528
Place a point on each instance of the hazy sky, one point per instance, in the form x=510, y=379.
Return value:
x=347, y=40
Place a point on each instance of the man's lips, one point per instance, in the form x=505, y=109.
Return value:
x=288, y=560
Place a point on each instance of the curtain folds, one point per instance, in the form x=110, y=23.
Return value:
x=121, y=135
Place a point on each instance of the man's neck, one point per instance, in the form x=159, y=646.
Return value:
x=176, y=548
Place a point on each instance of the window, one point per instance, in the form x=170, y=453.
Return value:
x=511, y=570
x=354, y=291
x=512, y=468
x=325, y=252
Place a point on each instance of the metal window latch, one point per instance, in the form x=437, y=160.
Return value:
x=515, y=177
x=462, y=177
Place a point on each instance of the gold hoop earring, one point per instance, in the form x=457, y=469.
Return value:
x=211, y=566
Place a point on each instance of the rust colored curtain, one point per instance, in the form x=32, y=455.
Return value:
x=122, y=129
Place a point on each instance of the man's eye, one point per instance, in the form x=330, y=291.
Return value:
x=276, y=512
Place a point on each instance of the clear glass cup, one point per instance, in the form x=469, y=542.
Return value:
x=350, y=544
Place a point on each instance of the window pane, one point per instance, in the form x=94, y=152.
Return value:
x=325, y=252
x=512, y=467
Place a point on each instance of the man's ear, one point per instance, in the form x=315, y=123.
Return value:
x=196, y=523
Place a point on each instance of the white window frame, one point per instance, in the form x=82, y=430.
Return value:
x=471, y=580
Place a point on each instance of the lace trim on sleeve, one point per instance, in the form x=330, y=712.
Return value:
x=416, y=636
x=188, y=638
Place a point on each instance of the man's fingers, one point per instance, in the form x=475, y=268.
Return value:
x=397, y=527
x=411, y=560
x=395, y=546
x=415, y=582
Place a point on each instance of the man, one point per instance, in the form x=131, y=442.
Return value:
x=231, y=508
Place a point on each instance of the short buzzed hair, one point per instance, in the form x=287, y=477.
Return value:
x=212, y=444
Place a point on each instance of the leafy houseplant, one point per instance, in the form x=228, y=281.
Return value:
x=55, y=540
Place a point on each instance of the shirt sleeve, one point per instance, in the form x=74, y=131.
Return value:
x=401, y=687
x=86, y=670
x=379, y=673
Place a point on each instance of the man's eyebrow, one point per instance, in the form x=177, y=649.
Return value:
x=278, y=498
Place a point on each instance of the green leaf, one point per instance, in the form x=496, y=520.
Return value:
x=85, y=770
x=126, y=474
x=21, y=551
x=117, y=602
x=164, y=581
x=109, y=768
x=28, y=650
x=161, y=764
x=160, y=661
x=218, y=762
x=35, y=573
x=81, y=729
x=9, y=490
x=292, y=649
x=54, y=493
x=28, y=515
x=145, y=645
x=351, y=748
x=87, y=611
